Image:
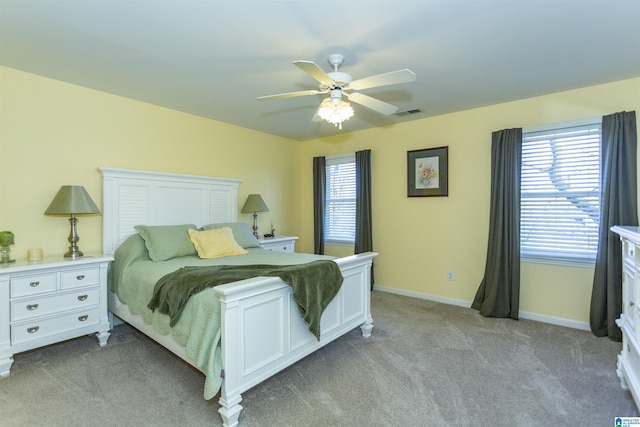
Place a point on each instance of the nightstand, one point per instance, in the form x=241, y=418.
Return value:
x=280, y=243
x=53, y=300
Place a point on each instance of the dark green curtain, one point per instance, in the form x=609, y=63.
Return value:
x=319, y=201
x=618, y=206
x=499, y=291
x=364, y=237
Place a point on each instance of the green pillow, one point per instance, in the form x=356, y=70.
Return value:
x=164, y=242
x=241, y=233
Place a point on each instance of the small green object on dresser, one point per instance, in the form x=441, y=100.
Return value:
x=6, y=240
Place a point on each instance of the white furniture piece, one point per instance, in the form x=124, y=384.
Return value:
x=279, y=243
x=262, y=331
x=629, y=322
x=50, y=301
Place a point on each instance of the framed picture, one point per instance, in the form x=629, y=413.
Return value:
x=428, y=172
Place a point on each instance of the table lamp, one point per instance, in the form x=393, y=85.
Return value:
x=72, y=200
x=255, y=204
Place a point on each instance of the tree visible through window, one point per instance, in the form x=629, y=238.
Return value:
x=340, y=207
x=560, y=194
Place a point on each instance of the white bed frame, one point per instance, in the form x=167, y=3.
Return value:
x=262, y=331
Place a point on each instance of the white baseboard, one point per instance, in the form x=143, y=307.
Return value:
x=560, y=321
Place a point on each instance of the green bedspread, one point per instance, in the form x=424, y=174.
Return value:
x=313, y=285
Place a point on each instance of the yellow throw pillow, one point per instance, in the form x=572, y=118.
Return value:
x=215, y=243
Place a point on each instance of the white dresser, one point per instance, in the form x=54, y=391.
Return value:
x=629, y=322
x=280, y=243
x=50, y=301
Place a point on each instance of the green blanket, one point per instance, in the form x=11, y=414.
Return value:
x=313, y=284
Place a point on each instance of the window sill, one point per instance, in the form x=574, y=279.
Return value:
x=567, y=262
x=339, y=243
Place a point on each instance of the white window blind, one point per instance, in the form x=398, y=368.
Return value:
x=560, y=194
x=340, y=209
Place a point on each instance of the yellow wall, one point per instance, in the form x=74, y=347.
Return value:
x=420, y=239
x=53, y=133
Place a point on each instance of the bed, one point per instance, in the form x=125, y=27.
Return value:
x=261, y=330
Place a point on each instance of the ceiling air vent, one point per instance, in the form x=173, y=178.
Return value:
x=407, y=112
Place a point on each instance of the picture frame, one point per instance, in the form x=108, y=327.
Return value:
x=428, y=172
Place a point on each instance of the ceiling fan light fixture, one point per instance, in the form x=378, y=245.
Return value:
x=335, y=111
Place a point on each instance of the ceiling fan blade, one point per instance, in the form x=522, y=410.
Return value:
x=314, y=71
x=289, y=95
x=392, y=78
x=372, y=103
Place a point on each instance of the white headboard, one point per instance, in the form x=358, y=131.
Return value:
x=133, y=197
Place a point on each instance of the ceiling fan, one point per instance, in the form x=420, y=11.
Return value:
x=333, y=109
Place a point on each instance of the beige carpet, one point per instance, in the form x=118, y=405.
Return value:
x=426, y=364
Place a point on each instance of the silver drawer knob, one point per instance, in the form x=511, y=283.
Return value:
x=32, y=307
x=83, y=318
x=80, y=277
x=82, y=297
x=33, y=329
x=34, y=284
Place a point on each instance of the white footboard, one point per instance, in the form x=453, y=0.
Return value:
x=263, y=332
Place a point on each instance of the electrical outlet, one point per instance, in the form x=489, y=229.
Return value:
x=450, y=276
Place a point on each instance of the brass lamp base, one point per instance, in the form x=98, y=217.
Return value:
x=73, y=251
x=255, y=225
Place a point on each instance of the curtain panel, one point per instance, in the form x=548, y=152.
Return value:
x=618, y=206
x=364, y=236
x=499, y=292
x=319, y=202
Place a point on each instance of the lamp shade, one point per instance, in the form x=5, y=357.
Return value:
x=72, y=199
x=254, y=203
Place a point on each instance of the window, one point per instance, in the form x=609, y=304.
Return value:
x=560, y=194
x=340, y=208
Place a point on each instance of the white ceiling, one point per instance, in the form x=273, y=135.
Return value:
x=213, y=58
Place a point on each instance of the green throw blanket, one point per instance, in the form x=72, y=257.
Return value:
x=314, y=285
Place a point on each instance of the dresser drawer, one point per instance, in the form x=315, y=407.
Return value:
x=27, y=331
x=39, y=306
x=286, y=247
x=279, y=244
x=81, y=277
x=629, y=252
x=31, y=285
x=630, y=297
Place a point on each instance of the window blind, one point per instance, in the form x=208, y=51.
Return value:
x=560, y=194
x=340, y=208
